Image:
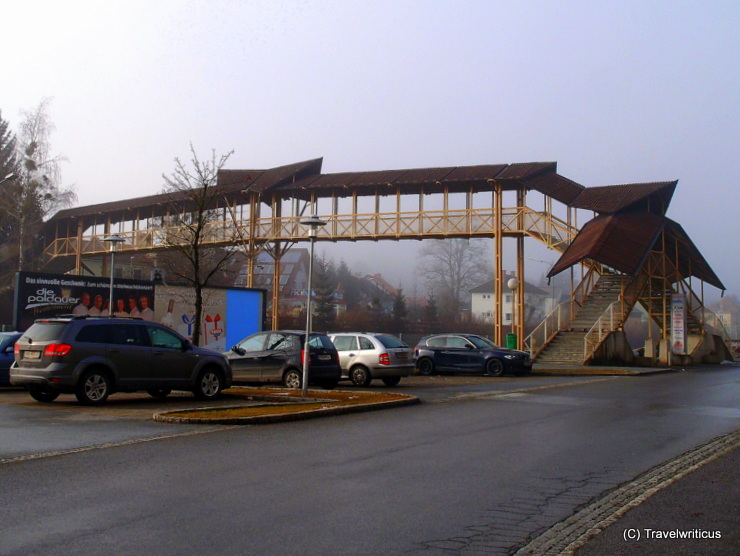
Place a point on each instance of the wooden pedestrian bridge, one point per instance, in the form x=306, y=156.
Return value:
x=627, y=252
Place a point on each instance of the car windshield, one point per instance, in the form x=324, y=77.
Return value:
x=390, y=341
x=5, y=339
x=318, y=341
x=44, y=331
x=481, y=342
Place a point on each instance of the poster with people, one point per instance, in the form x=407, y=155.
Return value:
x=39, y=295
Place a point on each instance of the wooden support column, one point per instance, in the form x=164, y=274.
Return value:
x=354, y=213
x=498, y=266
x=521, y=195
x=78, y=247
x=275, y=314
x=251, y=251
x=398, y=211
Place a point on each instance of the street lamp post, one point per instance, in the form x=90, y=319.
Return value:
x=113, y=239
x=513, y=284
x=314, y=222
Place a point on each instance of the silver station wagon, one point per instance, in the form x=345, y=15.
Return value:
x=368, y=355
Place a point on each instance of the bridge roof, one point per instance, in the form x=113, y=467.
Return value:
x=623, y=242
x=610, y=199
x=413, y=180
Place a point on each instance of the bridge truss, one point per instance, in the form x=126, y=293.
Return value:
x=260, y=210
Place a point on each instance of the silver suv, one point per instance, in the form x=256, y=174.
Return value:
x=367, y=355
x=96, y=356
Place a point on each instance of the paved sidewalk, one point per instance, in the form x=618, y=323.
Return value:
x=688, y=505
x=704, y=503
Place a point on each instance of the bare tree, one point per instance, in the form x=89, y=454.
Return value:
x=452, y=267
x=35, y=191
x=192, y=211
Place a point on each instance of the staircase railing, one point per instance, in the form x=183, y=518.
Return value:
x=613, y=316
x=604, y=325
x=586, y=286
x=558, y=319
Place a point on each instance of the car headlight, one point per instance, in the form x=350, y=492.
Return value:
x=509, y=356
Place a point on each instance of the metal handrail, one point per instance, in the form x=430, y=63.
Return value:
x=555, y=321
x=616, y=312
x=598, y=332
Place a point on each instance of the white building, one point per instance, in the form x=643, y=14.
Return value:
x=483, y=304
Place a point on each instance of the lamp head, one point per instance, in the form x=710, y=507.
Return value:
x=314, y=222
x=114, y=239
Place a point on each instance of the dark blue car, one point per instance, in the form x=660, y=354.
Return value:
x=468, y=353
x=7, y=341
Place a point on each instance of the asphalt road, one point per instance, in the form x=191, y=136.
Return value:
x=483, y=467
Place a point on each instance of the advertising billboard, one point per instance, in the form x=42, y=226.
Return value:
x=39, y=295
x=229, y=314
x=678, y=323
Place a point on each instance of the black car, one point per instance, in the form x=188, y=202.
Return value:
x=7, y=341
x=468, y=353
x=96, y=356
x=277, y=356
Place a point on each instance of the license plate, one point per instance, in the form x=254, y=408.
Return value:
x=402, y=355
x=325, y=357
x=33, y=355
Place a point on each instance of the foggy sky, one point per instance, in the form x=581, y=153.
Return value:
x=615, y=92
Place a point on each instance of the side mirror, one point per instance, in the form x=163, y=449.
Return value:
x=187, y=345
x=238, y=350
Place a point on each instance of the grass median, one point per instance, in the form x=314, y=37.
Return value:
x=272, y=405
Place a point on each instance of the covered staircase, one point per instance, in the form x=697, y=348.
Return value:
x=568, y=345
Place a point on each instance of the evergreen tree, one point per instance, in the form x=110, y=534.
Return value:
x=324, y=286
x=400, y=312
x=8, y=167
x=431, y=313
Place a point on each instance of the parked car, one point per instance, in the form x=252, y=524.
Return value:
x=96, y=356
x=365, y=356
x=277, y=356
x=468, y=353
x=7, y=341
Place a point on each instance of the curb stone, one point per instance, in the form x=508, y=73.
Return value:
x=572, y=533
x=171, y=416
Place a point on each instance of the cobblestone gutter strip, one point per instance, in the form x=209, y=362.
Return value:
x=572, y=533
x=172, y=416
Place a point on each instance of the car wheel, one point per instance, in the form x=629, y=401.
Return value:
x=43, y=395
x=391, y=380
x=292, y=379
x=208, y=386
x=360, y=376
x=159, y=392
x=425, y=366
x=93, y=388
x=494, y=367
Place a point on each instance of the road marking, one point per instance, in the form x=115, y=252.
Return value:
x=522, y=391
x=31, y=457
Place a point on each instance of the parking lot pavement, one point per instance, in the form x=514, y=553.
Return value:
x=436, y=388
